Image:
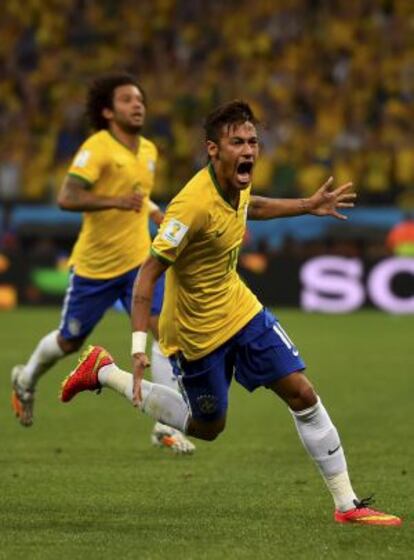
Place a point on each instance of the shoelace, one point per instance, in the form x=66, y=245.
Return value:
x=365, y=502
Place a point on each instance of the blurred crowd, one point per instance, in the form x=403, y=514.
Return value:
x=332, y=82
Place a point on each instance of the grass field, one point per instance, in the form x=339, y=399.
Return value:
x=84, y=483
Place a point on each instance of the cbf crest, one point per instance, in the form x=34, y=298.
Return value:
x=207, y=404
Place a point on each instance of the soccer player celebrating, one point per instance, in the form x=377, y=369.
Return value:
x=212, y=326
x=110, y=180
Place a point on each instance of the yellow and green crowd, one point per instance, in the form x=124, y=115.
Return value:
x=332, y=83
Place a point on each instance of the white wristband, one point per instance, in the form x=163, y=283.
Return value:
x=139, y=342
x=152, y=206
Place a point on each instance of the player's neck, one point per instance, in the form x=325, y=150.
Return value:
x=129, y=140
x=228, y=191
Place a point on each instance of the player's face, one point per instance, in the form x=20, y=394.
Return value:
x=235, y=155
x=128, y=110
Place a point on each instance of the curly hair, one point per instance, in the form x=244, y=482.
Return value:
x=233, y=112
x=101, y=95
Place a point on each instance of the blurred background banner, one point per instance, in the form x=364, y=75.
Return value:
x=333, y=86
x=335, y=284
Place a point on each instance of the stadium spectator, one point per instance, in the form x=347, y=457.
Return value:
x=212, y=326
x=110, y=180
x=334, y=80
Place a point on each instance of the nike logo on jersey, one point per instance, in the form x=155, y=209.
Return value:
x=332, y=451
x=219, y=233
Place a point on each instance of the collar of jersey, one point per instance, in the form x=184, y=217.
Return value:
x=218, y=187
x=122, y=144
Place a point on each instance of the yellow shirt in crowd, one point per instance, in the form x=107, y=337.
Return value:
x=205, y=301
x=112, y=242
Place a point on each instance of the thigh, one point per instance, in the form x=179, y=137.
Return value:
x=205, y=383
x=265, y=353
x=157, y=297
x=85, y=303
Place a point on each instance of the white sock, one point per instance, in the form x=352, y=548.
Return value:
x=320, y=437
x=46, y=353
x=158, y=401
x=161, y=369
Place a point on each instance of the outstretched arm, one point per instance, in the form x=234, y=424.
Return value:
x=324, y=202
x=75, y=197
x=144, y=285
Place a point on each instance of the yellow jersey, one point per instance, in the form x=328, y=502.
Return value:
x=205, y=301
x=113, y=241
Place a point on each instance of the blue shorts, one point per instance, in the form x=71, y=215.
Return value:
x=87, y=300
x=259, y=354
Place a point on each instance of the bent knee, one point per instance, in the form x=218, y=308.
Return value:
x=71, y=345
x=306, y=396
x=210, y=435
x=296, y=390
x=208, y=431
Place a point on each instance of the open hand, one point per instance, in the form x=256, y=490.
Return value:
x=326, y=201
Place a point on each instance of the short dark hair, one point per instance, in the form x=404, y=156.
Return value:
x=101, y=96
x=233, y=112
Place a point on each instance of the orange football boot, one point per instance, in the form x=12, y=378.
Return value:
x=361, y=514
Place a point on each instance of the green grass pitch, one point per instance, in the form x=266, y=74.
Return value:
x=84, y=483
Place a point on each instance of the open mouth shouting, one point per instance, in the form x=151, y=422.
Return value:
x=137, y=116
x=244, y=172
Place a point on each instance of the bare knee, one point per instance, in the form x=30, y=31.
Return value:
x=207, y=431
x=306, y=397
x=71, y=345
x=296, y=390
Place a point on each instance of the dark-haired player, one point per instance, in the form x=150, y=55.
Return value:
x=212, y=326
x=110, y=180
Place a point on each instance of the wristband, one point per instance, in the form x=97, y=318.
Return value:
x=152, y=206
x=139, y=342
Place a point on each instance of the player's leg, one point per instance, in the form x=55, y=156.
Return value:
x=50, y=349
x=25, y=376
x=161, y=370
x=199, y=410
x=96, y=370
x=162, y=374
x=205, y=384
x=85, y=302
x=318, y=435
x=272, y=360
x=320, y=438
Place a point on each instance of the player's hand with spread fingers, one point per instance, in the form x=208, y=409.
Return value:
x=326, y=200
x=133, y=201
x=140, y=361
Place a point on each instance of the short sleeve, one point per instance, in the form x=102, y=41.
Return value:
x=182, y=220
x=88, y=163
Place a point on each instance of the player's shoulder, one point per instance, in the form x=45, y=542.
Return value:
x=97, y=145
x=192, y=200
x=197, y=190
x=97, y=139
x=93, y=148
x=199, y=183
